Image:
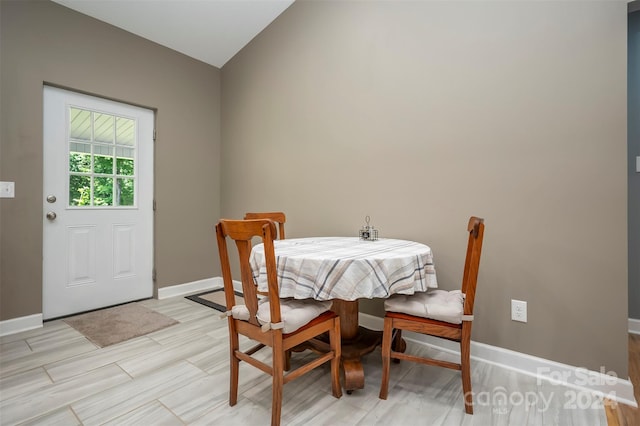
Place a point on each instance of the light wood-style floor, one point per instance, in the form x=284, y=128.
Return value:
x=179, y=375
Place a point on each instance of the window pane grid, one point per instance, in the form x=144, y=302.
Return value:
x=101, y=159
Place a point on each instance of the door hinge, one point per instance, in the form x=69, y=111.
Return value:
x=153, y=275
x=154, y=205
x=154, y=135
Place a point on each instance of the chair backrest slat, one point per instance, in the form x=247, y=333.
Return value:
x=242, y=232
x=277, y=217
x=472, y=262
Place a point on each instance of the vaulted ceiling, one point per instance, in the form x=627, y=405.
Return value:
x=212, y=31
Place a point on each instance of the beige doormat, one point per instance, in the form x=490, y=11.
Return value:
x=109, y=326
x=215, y=299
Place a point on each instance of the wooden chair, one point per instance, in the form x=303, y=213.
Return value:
x=265, y=321
x=277, y=217
x=439, y=313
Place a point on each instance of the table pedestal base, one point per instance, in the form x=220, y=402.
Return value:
x=356, y=342
x=352, y=352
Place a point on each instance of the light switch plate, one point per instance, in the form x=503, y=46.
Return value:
x=638, y=164
x=7, y=189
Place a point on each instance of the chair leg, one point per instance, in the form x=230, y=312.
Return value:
x=278, y=380
x=334, y=341
x=235, y=368
x=287, y=360
x=386, y=356
x=466, y=375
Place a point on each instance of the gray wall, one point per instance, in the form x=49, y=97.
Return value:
x=421, y=114
x=43, y=41
x=418, y=114
x=634, y=150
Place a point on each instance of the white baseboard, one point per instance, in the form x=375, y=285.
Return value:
x=189, y=288
x=634, y=326
x=16, y=325
x=598, y=383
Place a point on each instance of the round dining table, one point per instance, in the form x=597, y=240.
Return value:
x=344, y=270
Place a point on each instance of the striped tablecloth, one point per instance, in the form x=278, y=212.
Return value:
x=346, y=268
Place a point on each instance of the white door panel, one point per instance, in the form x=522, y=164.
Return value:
x=98, y=230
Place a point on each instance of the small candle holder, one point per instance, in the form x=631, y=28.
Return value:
x=368, y=232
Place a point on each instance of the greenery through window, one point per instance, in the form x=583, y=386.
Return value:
x=101, y=159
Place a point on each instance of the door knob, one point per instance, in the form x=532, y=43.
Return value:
x=51, y=215
x=51, y=199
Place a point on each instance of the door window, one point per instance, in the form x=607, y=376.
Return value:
x=102, y=164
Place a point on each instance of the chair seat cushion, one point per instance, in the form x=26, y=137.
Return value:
x=294, y=313
x=439, y=305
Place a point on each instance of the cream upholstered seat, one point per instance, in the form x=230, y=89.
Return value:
x=280, y=325
x=293, y=313
x=439, y=313
x=436, y=304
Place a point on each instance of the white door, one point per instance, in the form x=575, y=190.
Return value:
x=97, y=203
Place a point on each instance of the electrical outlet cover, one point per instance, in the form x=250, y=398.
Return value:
x=518, y=310
x=7, y=189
